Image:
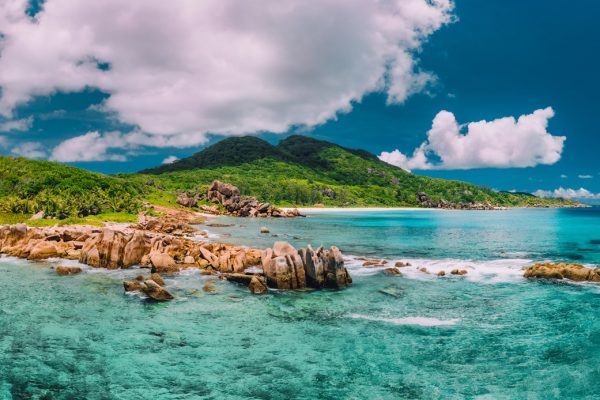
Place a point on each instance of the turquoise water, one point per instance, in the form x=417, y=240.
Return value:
x=488, y=335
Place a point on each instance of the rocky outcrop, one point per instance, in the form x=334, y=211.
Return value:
x=287, y=268
x=150, y=288
x=573, y=272
x=280, y=267
x=229, y=197
x=186, y=200
x=424, y=201
x=106, y=249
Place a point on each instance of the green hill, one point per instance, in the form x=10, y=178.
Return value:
x=304, y=171
x=299, y=171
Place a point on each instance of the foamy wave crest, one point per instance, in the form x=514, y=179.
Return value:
x=419, y=321
x=489, y=271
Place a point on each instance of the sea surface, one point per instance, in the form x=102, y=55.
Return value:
x=490, y=334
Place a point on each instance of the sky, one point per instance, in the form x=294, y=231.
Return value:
x=501, y=94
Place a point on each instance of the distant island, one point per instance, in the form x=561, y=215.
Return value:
x=299, y=171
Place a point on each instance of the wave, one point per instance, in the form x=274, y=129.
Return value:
x=487, y=271
x=419, y=321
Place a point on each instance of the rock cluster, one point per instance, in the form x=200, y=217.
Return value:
x=282, y=267
x=424, y=201
x=229, y=197
x=573, y=272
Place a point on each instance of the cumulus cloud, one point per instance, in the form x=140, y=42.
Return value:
x=89, y=147
x=585, y=176
x=501, y=143
x=170, y=160
x=563, y=193
x=189, y=68
x=96, y=146
x=564, y=176
x=29, y=150
x=16, y=125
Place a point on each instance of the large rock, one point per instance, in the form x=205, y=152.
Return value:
x=150, y=288
x=135, y=249
x=313, y=265
x=163, y=263
x=283, y=267
x=63, y=271
x=258, y=285
x=574, y=272
x=336, y=275
x=105, y=250
x=156, y=292
x=43, y=250
x=186, y=200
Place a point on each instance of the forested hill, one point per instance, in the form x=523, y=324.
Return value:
x=304, y=171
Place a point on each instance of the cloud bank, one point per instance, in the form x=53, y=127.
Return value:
x=180, y=70
x=501, y=143
x=561, y=192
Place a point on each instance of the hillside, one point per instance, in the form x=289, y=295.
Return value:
x=29, y=186
x=304, y=171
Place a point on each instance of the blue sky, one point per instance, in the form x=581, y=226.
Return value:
x=482, y=61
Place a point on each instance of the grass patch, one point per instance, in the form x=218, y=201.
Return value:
x=94, y=220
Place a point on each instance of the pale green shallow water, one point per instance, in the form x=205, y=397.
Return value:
x=489, y=335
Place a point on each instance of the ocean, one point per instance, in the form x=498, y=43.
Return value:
x=490, y=334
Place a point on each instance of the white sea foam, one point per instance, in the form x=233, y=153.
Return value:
x=420, y=321
x=488, y=271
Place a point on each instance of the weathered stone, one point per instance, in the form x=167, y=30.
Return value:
x=155, y=276
x=135, y=249
x=209, y=288
x=106, y=249
x=458, y=272
x=162, y=262
x=186, y=200
x=441, y=273
x=43, y=250
x=258, y=285
x=244, y=279
x=392, y=271
x=134, y=286
x=156, y=292
x=264, y=229
x=574, y=272
x=62, y=271
x=313, y=266
x=400, y=264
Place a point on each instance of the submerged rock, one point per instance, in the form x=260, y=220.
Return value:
x=458, y=272
x=156, y=292
x=258, y=285
x=574, y=272
x=63, y=271
x=392, y=271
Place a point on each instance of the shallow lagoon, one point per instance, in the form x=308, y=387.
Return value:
x=490, y=334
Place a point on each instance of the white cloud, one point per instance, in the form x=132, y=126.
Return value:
x=170, y=160
x=89, y=147
x=580, y=193
x=16, y=125
x=585, y=176
x=3, y=141
x=96, y=146
x=564, y=176
x=29, y=150
x=501, y=143
x=217, y=66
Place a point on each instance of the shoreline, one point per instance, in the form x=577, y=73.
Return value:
x=314, y=210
